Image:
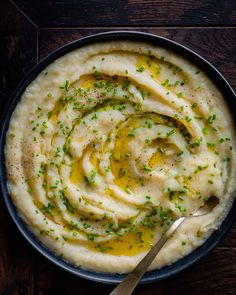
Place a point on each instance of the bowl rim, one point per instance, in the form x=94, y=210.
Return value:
x=203, y=64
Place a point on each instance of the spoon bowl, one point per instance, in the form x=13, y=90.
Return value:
x=208, y=206
x=131, y=281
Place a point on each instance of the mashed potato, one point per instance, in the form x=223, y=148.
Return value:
x=110, y=144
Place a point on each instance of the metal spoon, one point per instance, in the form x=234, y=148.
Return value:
x=127, y=286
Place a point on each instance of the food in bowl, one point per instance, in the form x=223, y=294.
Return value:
x=110, y=144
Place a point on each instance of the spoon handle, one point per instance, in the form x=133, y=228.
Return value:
x=131, y=281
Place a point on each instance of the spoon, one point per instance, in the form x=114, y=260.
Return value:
x=127, y=286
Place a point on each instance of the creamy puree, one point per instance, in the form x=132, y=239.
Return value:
x=110, y=144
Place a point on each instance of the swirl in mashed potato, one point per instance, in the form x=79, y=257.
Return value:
x=110, y=144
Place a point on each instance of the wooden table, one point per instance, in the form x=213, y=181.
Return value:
x=29, y=31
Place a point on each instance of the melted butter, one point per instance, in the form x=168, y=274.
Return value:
x=130, y=244
x=94, y=160
x=154, y=68
x=123, y=176
x=164, y=154
x=87, y=82
x=157, y=159
x=80, y=139
x=77, y=174
x=120, y=167
x=164, y=72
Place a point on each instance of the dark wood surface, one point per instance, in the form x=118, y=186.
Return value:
x=29, y=31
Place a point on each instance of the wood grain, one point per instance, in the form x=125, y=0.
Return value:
x=133, y=12
x=207, y=27
x=18, y=50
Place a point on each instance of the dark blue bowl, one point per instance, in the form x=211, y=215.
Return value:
x=151, y=276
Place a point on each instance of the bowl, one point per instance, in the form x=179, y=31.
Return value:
x=155, y=275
